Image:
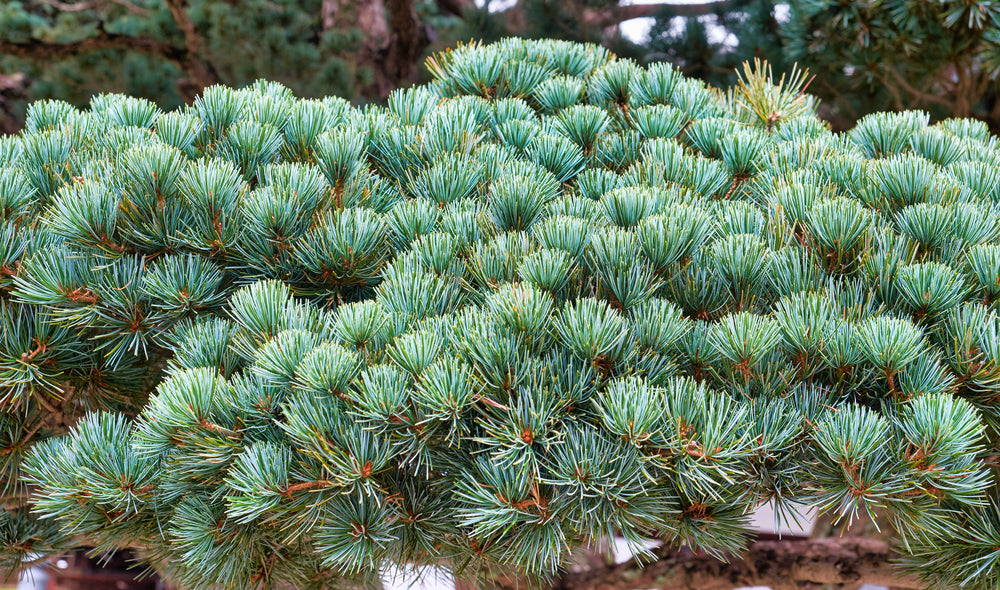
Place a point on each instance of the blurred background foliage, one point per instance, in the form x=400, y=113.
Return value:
x=942, y=56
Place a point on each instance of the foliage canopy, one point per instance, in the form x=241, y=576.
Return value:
x=547, y=298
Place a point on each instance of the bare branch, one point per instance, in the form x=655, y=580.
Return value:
x=132, y=7
x=619, y=14
x=782, y=565
x=455, y=7
x=93, y=4
x=914, y=92
x=73, y=7
x=201, y=72
x=192, y=40
x=102, y=40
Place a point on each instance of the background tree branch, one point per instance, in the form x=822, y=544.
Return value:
x=200, y=72
x=44, y=50
x=621, y=13
x=93, y=4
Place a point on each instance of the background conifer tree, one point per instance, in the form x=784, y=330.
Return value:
x=868, y=56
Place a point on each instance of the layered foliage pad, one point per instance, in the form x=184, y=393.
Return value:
x=548, y=298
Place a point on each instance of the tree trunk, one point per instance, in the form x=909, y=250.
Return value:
x=395, y=52
x=394, y=39
x=13, y=87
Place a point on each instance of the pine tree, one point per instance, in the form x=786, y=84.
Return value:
x=943, y=57
x=710, y=44
x=168, y=51
x=549, y=298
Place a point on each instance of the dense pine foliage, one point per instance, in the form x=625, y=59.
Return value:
x=548, y=298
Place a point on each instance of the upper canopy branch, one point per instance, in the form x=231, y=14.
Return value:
x=622, y=13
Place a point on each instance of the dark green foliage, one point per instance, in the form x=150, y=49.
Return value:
x=940, y=56
x=494, y=321
x=243, y=41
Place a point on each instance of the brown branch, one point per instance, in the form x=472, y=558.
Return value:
x=305, y=485
x=132, y=7
x=619, y=14
x=201, y=72
x=896, y=96
x=74, y=7
x=963, y=98
x=781, y=565
x=192, y=40
x=93, y=4
x=217, y=429
x=40, y=398
x=30, y=434
x=43, y=50
x=839, y=98
x=914, y=92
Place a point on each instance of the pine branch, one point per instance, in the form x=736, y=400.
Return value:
x=201, y=71
x=916, y=93
x=781, y=565
x=187, y=59
x=44, y=50
x=488, y=335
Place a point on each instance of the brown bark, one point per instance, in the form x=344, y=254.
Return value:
x=200, y=72
x=394, y=39
x=828, y=563
x=371, y=18
x=407, y=40
x=92, y=4
x=13, y=87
